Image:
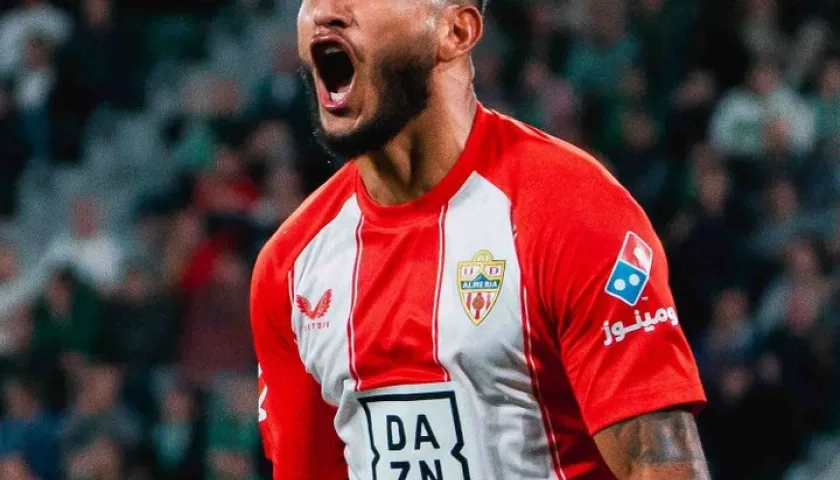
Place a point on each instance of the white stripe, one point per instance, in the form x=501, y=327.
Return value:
x=438, y=282
x=487, y=361
x=530, y=359
x=291, y=281
x=354, y=296
x=326, y=263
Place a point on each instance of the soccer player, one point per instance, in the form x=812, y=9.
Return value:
x=467, y=298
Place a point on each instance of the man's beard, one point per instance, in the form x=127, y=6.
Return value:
x=403, y=90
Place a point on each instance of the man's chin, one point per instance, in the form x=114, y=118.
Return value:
x=339, y=123
x=349, y=138
x=340, y=142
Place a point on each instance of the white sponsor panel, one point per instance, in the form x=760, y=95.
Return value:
x=415, y=436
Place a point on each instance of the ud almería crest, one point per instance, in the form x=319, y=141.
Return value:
x=479, y=283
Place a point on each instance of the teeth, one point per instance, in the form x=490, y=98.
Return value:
x=332, y=49
x=338, y=97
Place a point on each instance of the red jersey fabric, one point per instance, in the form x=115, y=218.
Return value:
x=483, y=331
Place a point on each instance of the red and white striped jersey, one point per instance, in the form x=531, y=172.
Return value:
x=484, y=331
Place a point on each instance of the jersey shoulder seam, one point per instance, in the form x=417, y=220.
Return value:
x=317, y=211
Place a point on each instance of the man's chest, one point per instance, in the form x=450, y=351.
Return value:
x=379, y=308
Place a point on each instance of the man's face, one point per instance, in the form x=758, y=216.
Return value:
x=368, y=67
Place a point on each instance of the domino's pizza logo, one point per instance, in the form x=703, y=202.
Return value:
x=631, y=271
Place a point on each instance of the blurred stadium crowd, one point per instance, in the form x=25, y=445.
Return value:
x=174, y=139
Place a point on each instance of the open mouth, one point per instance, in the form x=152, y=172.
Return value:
x=336, y=72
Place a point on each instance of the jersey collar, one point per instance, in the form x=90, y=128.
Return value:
x=432, y=202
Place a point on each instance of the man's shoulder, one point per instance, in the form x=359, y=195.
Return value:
x=313, y=214
x=566, y=207
x=539, y=171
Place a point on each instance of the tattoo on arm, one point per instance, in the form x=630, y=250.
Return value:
x=659, y=445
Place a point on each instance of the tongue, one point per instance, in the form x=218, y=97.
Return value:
x=341, y=94
x=338, y=97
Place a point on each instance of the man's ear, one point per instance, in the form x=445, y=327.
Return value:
x=461, y=27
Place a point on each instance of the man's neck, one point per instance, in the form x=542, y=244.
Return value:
x=422, y=154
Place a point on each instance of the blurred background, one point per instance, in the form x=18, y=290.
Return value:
x=147, y=152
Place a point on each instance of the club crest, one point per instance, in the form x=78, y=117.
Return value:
x=479, y=283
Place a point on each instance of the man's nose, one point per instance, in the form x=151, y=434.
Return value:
x=331, y=13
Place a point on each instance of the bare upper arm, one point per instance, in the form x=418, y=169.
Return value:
x=660, y=445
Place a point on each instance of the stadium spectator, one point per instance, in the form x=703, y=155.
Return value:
x=67, y=317
x=14, y=151
x=34, y=85
x=177, y=436
x=722, y=118
x=139, y=332
x=28, y=18
x=596, y=63
x=14, y=467
x=96, y=255
x=17, y=355
x=29, y=430
x=214, y=340
x=275, y=94
x=232, y=437
x=281, y=195
x=803, y=269
x=740, y=123
x=225, y=187
x=826, y=101
x=95, y=65
x=98, y=433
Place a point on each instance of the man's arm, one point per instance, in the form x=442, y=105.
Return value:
x=602, y=274
x=660, y=445
x=599, y=272
x=295, y=422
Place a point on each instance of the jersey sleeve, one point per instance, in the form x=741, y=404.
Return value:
x=606, y=284
x=295, y=422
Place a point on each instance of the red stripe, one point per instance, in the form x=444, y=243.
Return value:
x=354, y=289
x=393, y=321
x=438, y=286
x=535, y=383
